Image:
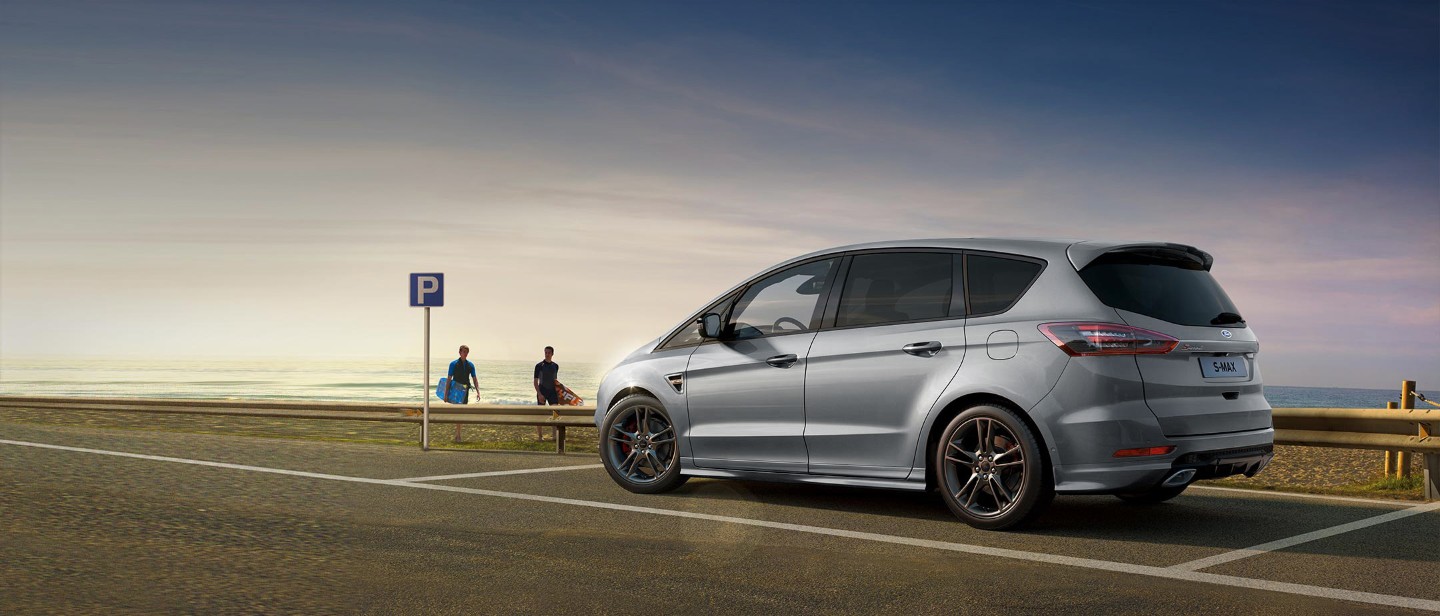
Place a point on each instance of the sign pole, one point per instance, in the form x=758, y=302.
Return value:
x=426, y=290
x=425, y=390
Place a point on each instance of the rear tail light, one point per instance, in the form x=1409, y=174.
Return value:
x=1080, y=339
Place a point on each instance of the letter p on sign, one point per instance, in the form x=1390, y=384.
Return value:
x=427, y=290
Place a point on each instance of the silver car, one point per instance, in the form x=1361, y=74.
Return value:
x=998, y=372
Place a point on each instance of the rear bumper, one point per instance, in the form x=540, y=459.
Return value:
x=1215, y=464
x=1211, y=456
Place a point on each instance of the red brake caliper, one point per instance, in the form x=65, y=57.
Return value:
x=625, y=447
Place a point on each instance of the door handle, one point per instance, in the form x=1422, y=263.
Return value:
x=782, y=361
x=922, y=349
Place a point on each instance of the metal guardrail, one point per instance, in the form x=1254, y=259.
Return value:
x=1399, y=430
x=558, y=417
x=1382, y=429
x=1404, y=429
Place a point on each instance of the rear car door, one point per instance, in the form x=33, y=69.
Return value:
x=897, y=340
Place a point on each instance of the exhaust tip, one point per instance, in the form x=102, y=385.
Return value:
x=1180, y=478
x=1259, y=466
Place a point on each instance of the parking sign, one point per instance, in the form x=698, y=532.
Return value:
x=427, y=290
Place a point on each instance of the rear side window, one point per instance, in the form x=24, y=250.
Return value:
x=896, y=287
x=1179, y=290
x=992, y=284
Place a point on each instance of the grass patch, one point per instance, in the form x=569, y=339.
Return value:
x=1332, y=471
x=1413, y=483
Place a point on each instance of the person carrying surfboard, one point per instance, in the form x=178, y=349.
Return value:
x=462, y=374
x=546, y=373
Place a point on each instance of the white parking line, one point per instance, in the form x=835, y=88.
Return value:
x=523, y=471
x=1276, y=494
x=1072, y=561
x=1280, y=544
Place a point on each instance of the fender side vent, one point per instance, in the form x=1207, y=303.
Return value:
x=677, y=382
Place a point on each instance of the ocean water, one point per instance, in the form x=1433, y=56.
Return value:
x=501, y=382
x=1330, y=397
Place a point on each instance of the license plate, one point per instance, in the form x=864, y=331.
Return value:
x=1223, y=367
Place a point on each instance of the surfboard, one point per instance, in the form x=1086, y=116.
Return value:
x=457, y=393
x=567, y=396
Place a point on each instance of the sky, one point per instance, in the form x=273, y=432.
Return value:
x=257, y=179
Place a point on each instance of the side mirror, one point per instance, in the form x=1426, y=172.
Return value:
x=710, y=326
x=813, y=286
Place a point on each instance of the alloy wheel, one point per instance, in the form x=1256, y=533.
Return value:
x=985, y=467
x=641, y=444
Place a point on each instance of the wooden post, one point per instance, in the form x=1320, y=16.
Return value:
x=1407, y=401
x=1390, y=455
x=1432, y=461
x=560, y=439
x=1432, y=477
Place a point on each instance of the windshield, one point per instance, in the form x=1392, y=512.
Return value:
x=1175, y=289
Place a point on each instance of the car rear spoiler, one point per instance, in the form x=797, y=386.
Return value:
x=1084, y=253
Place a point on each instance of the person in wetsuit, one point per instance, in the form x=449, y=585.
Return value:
x=462, y=374
x=546, y=373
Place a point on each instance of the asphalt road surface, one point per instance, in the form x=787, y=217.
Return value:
x=121, y=521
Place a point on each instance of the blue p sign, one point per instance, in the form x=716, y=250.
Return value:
x=427, y=290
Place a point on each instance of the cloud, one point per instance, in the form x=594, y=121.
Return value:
x=1420, y=316
x=599, y=187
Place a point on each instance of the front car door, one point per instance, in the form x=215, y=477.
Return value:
x=897, y=341
x=746, y=391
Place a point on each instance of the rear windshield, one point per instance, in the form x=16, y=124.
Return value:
x=1178, y=290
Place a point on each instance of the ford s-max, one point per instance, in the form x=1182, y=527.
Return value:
x=996, y=372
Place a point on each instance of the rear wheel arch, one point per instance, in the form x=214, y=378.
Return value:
x=959, y=405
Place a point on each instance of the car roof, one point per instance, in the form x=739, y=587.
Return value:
x=1079, y=252
x=1018, y=245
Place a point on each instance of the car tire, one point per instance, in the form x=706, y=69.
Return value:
x=989, y=487
x=1151, y=497
x=639, y=446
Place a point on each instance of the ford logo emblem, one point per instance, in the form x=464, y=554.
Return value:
x=1226, y=333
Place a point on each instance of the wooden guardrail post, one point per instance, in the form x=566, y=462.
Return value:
x=1407, y=402
x=1431, y=462
x=1390, y=454
x=1432, y=466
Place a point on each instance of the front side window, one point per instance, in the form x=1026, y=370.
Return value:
x=993, y=284
x=782, y=303
x=896, y=287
